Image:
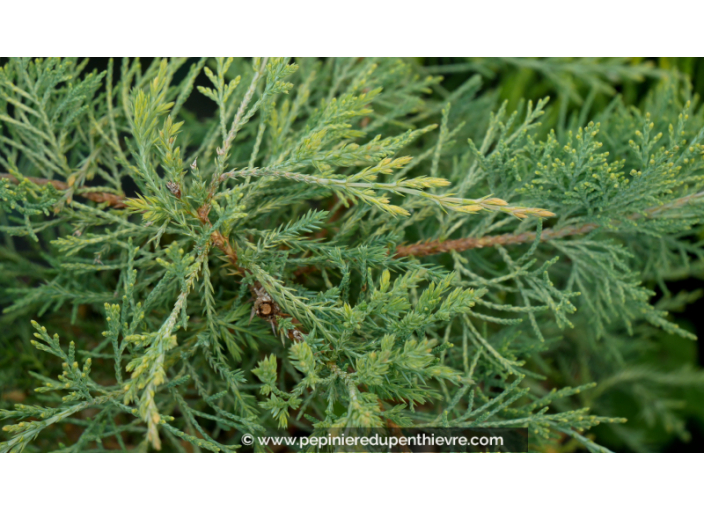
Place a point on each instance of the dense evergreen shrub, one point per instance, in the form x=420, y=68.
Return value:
x=346, y=242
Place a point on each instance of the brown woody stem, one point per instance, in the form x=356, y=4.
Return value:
x=469, y=243
x=116, y=201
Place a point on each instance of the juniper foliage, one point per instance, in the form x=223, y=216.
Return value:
x=343, y=243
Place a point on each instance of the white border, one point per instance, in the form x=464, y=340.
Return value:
x=359, y=28
x=341, y=481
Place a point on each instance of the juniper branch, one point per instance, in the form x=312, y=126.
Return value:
x=425, y=248
x=365, y=191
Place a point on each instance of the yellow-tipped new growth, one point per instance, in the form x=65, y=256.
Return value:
x=361, y=187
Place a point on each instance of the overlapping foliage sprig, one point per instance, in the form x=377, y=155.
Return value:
x=343, y=243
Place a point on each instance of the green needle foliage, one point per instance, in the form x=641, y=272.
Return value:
x=342, y=243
